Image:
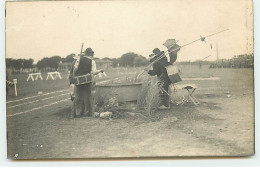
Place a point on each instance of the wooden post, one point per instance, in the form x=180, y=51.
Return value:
x=117, y=68
x=15, y=89
x=93, y=100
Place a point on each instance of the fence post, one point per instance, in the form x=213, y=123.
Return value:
x=15, y=89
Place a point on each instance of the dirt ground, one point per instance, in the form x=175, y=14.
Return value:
x=221, y=125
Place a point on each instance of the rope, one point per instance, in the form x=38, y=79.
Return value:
x=161, y=56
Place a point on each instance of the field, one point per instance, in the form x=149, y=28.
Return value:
x=33, y=87
x=39, y=126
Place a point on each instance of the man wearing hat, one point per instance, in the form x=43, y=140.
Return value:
x=84, y=65
x=160, y=70
x=163, y=59
x=163, y=78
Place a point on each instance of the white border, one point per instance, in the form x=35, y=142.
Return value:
x=252, y=161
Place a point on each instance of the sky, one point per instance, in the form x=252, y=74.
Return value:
x=112, y=28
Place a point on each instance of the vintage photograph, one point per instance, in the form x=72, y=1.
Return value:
x=129, y=79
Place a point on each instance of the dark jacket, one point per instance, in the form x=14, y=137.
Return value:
x=163, y=60
x=83, y=69
x=84, y=66
x=160, y=70
x=159, y=66
x=172, y=55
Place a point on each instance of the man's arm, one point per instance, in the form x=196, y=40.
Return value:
x=94, y=70
x=155, y=70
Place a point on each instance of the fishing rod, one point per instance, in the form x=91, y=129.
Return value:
x=76, y=65
x=169, y=51
x=81, y=48
x=206, y=57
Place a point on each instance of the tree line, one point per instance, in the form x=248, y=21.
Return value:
x=19, y=63
x=239, y=61
x=53, y=62
x=46, y=62
x=129, y=59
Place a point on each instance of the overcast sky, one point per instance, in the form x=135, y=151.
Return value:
x=112, y=28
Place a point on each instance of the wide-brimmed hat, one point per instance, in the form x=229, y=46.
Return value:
x=151, y=57
x=170, y=43
x=89, y=51
x=156, y=51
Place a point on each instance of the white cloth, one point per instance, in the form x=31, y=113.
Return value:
x=168, y=57
x=72, y=90
x=172, y=69
x=93, y=67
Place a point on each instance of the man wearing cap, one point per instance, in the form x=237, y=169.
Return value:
x=82, y=66
x=163, y=78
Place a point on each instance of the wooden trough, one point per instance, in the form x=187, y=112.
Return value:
x=123, y=91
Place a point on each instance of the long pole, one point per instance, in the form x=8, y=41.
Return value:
x=160, y=57
x=206, y=57
x=15, y=88
x=81, y=48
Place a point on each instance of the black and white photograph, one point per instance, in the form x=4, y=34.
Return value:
x=129, y=79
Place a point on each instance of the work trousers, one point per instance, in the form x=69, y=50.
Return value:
x=163, y=93
x=82, y=105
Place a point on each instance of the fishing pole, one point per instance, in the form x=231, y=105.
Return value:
x=206, y=57
x=169, y=51
x=81, y=48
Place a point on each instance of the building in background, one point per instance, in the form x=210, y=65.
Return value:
x=64, y=67
x=103, y=63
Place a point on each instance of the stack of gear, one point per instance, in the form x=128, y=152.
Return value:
x=83, y=79
x=172, y=69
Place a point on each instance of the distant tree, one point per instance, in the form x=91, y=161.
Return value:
x=9, y=62
x=63, y=60
x=140, y=61
x=53, y=62
x=238, y=61
x=28, y=63
x=69, y=58
x=115, y=62
x=17, y=63
x=127, y=59
x=106, y=58
x=43, y=63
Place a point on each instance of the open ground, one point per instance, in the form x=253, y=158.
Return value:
x=39, y=126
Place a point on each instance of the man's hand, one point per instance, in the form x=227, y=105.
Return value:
x=147, y=69
x=174, y=49
x=98, y=71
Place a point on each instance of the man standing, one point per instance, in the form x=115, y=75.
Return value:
x=163, y=78
x=84, y=65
